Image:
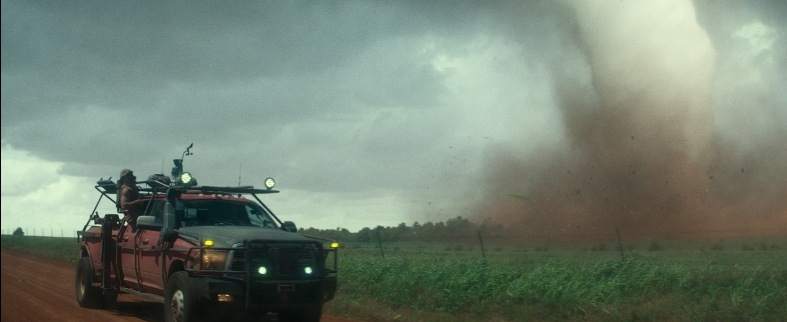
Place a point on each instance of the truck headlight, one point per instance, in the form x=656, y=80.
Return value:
x=213, y=260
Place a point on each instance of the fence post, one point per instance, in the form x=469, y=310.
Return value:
x=481, y=241
x=620, y=244
x=379, y=243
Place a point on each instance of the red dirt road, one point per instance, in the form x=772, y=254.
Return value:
x=37, y=289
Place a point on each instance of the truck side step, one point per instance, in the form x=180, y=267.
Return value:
x=148, y=296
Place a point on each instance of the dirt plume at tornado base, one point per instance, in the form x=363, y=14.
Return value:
x=642, y=154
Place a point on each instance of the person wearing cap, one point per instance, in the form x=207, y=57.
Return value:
x=128, y=196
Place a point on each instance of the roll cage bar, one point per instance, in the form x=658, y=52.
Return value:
x=155, y=187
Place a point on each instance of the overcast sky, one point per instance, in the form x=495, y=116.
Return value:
x=365, y=113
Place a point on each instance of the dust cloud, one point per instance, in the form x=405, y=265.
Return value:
x=643, y=155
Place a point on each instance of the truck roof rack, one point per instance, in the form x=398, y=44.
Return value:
x=214, y=189
x=111, y=187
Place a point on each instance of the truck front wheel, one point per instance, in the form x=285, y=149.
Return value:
x=180, y=302
x=88, y=296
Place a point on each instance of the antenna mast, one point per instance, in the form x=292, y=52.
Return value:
x=178, y=169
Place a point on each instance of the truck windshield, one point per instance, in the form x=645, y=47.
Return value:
x=224, y=213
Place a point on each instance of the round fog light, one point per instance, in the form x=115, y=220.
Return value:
x=308, y=270
x=262, y=270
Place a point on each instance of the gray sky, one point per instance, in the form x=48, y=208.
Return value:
x=366, y=113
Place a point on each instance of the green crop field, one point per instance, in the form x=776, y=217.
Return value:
x=57, y=248
x=720, y=280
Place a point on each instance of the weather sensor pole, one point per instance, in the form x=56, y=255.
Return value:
x=178, y=169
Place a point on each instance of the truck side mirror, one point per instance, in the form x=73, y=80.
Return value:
x=169, y=223
x=289, y=226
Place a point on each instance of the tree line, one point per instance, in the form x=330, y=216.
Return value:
x=454, y=229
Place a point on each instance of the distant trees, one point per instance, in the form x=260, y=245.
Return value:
x=18, y=232
x=339, y=234
x=454, y=229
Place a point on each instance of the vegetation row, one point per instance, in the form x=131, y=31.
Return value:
x=603, y=289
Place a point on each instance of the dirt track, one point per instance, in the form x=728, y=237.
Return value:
x=37, y=289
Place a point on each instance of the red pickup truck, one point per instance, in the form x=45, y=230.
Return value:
x=206, y=253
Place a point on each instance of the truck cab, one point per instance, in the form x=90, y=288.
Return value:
x=203, y=251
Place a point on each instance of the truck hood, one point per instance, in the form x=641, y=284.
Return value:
x=226, y=236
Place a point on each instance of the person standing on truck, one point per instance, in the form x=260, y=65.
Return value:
x=128, y=197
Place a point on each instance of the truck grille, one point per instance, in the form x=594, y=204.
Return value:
x=282, y=261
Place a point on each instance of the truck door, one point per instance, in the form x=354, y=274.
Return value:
x=127, y=244
x=149, y=259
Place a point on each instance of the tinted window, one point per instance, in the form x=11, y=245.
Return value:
x=225, y=213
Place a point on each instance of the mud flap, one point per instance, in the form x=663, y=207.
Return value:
x=107, y=253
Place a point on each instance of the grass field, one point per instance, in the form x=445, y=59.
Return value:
x=60, y=249
x=720, y=280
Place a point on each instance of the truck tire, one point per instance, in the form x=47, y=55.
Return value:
x=311, y=313
x=88, y=296
x=181, y=304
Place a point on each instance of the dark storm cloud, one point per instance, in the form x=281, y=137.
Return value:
x=101, y=86
x=189, y=41
x=127, y=54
